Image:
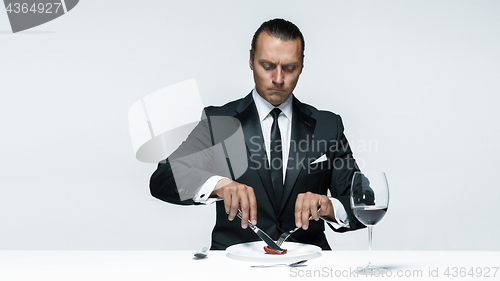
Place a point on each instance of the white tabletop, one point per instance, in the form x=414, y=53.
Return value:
x=165, y=265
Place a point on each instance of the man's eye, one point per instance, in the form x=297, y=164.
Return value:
x=267, y=66
x=289, y=69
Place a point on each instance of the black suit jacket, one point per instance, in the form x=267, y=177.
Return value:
x=313, y=134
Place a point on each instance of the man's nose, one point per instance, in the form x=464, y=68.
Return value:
x=278, y=76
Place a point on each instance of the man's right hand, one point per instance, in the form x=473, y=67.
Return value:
x=237, y=196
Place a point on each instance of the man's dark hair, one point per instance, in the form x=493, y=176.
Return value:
x=281, y=29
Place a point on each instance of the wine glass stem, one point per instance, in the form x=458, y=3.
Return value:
x=370, y=246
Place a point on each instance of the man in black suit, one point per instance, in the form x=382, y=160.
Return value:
x=293, y=154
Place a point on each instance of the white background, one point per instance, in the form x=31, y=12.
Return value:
x=416, y=82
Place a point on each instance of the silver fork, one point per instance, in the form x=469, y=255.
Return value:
x=287, y=234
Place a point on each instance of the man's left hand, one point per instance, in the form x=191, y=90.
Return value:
x=307, y=205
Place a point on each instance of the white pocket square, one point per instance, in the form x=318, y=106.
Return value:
x=321, y=159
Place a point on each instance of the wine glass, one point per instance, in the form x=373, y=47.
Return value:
x=369, y=202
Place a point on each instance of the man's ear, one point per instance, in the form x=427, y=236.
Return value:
x=302, y=67
x=250, y=61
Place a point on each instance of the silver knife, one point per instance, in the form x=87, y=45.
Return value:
x=270, y=242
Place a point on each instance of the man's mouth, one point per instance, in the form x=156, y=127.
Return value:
x=277, y=90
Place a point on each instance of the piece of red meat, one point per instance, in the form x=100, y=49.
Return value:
x=271, y=251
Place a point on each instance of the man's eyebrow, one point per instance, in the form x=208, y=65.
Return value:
x=265, y=61
x=288, y=64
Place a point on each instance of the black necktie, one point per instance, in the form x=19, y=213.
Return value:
x=276, y=163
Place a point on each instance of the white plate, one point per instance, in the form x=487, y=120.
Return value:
x=254, y=251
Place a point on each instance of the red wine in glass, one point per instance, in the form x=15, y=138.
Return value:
x=369, y=202
x=369, y=215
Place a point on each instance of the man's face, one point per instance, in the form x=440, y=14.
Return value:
x=276, y=66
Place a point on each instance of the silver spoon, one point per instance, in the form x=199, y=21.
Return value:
x=201, y=254
x=295, y=264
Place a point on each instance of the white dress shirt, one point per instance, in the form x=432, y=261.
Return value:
x=285, y=125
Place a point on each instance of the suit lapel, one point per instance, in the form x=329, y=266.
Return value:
x=302, y=134
x=249, y=118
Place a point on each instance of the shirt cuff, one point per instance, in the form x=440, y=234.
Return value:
x=340, y=215
x=203, y=195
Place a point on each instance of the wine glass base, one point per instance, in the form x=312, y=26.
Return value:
x=371, y=271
